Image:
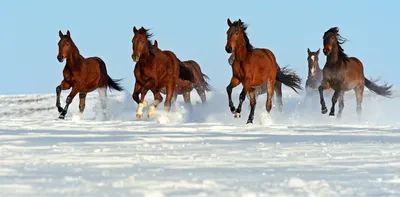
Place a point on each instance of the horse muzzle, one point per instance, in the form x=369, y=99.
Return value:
x=228, y=49
x=60, y=58
x=326, y=51
x=135, y=58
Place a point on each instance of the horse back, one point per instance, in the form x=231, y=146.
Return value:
x=261, y=65
x=96, y=71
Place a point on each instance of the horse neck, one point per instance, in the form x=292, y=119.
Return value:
x=74, y=58
x=333, y=57
x=241, y=51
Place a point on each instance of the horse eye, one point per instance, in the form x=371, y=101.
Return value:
x=142, y=41
x=237, y=33
x=67, y=44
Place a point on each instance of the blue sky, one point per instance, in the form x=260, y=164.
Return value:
x=193, y=30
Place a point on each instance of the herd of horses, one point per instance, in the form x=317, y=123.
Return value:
x=161, y=71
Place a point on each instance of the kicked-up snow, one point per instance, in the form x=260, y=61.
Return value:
x=203, y=152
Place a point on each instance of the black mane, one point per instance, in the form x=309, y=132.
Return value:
x=340, y=40
x=249, y=47
x=149, y=35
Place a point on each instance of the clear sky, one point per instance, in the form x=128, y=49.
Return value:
x=193, y=30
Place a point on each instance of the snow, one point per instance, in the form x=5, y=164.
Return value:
x=203, y=152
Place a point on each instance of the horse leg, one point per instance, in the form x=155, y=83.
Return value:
x=252, y=95
x=63, y=86
x=335, y=97
x=359, y=97
x=136, y=92
x=278, y=91
x=242, y=97
x=82, y=101
x=200, y=91
x=186, y=98
x=70, y=97
x=143, y=91
x=157, y=100
x=270, y=94
x=341, y=105
x=324, y=85
x=168, y=99
x=103, y=99
x=234, y=82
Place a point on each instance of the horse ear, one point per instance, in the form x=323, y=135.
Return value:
x=229, y=22
x=239, y=23
x=60, y=34
x=308, y=50
x=134, y=29
x=68, y=33
x=318, y=51
x=155, y=43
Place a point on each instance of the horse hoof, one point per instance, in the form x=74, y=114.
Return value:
x=324, y=111
x=233, y=110
x=61, y=117
x=139, y=115
x=249, y=122
x=149, y=115
x=60, y=109
x=237, y=115
x=332, y=114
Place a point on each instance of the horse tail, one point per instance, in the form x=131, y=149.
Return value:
x=185, y=73
x=383, y=90
x=114, y=84
x=204, y=84
x=289, y=78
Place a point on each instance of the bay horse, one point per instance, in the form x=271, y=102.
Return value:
x=184, y=87
x=81, y=74
x=343, y=73
x=153, y=71
x=254, y=67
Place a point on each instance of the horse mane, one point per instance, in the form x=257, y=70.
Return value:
x=75, y=52
x=249, y=47
x=339, y=41
x=148, y=35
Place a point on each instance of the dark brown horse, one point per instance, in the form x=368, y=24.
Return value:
x=184, y=87
x=253, y=67
x=153, y=71
x=343, y=73
x=82, y=74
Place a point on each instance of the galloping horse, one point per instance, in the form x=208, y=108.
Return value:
x=254, y=67
x=343, y=73
x=314, y=77
x=82, y=74
x=154, y=71
x=184, y=87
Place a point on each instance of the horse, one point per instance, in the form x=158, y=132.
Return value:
x=314, y=77
x=184, y=87
x=153, y=71
x=82, y=74
x=343, y=73
x=254, y=67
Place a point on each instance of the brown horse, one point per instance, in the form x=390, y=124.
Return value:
x=184, y=87
x=314, y=77
x=153, y=71
x=82, y=74
x=343, y=73
x=253, y=67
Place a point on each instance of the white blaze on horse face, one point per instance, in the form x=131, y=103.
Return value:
x=313, y=68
